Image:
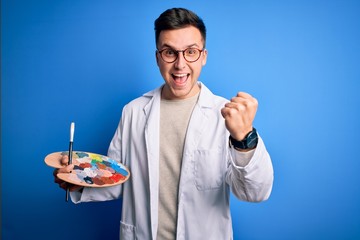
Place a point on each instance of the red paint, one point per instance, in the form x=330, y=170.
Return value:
x=85, y=165
x=98, y=181
x=117, y=177
x=107, y=180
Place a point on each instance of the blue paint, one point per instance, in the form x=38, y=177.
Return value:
x=88, y=180
x=82, y=154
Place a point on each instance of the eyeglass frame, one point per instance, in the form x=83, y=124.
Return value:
x=177, y=53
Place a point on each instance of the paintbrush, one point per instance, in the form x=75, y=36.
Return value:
x=72, y=130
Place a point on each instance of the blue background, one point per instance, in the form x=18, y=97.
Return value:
x=82, y=60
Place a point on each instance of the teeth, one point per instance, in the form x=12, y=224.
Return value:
x=180, y=75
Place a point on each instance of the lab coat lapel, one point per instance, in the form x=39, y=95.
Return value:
x=152, y=111
x=198, y=119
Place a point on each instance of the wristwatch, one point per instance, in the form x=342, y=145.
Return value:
x=249, y=142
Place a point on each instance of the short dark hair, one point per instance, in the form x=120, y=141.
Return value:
x=177, y=18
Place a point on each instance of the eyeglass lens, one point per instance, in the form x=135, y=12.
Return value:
x=190, y=54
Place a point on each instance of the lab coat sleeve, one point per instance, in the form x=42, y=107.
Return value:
x=89, y=194
x=252, y=182
x=96, y=194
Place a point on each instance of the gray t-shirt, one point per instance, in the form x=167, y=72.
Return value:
x=174, y=120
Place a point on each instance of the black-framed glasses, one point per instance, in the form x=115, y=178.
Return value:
x=170, y=55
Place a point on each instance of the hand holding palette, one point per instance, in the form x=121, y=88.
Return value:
x=90, y=169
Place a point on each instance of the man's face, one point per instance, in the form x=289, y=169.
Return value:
x=180, y=76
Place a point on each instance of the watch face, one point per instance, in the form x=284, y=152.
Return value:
x=249, y=142
x=252, y=140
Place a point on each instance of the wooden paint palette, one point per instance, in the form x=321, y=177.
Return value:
x=90, y=169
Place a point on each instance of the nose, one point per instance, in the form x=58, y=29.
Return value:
x=180, y=61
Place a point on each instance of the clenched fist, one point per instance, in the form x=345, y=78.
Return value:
x=239, y=115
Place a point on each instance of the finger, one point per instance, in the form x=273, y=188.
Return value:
x=236, y=105
x=55, y=172
x=244, y=95
x=234, y=109
x=63, y=185
x=244, y=100
x=242, y=104
x=229, y=110
x=66, y=169
x=223, y=112
x=64, y=160
x=73, y=187
x=58, y=181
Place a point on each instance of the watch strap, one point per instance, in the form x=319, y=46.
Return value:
x=249, y=142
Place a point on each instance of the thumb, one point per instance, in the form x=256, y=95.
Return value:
x=66, y=169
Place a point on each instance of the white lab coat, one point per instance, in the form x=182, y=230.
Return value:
x=209, y=170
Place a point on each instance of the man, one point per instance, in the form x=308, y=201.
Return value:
x=185, y=147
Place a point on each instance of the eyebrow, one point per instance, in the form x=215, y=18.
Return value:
x=188, y=46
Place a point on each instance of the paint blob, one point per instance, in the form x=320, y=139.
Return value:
x=96, y=169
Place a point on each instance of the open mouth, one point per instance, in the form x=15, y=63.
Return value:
x=180, y=79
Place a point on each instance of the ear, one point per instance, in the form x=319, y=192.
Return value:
x=157, y=57
x=204, y=57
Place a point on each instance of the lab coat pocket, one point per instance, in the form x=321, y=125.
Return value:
x=127, y=231
x=208, y=169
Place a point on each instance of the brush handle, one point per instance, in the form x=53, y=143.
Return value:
x=70, y=152
x=67, y=194
x=72, y=130
x=70, y=162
